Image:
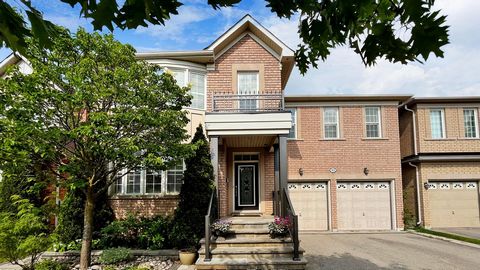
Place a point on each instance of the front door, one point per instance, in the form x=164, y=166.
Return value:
x=246, y=186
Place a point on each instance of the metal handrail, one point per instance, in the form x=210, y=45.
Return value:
x=228, y=102
x=208, y=221
x=290, y=213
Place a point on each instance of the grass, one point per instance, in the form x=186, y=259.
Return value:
x=449, y=235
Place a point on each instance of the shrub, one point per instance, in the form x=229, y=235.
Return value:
x=23, y=234
x=133, y=232
x=189, y=221
x=50, y=264
x=115, y=255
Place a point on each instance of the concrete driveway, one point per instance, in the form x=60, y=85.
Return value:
x=468, y=232
x=385, y=251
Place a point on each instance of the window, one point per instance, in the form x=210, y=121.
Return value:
x=470, y=123
x=197, y=81
x=372, y=122
x=133, y=181
x=330, y=123
x=140, y=181
x=175, y=178
x=437, y=123
x=248, y=85
x=293, y=130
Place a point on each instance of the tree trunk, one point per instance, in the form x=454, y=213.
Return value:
x=85, y=253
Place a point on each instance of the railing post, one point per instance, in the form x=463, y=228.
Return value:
x=296, y=254
x=208, y=255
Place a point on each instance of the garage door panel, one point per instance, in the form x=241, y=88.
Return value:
x=310, y=203
x=454, y=204
x=363, y=206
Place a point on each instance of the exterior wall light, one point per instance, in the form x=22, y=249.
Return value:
x=426, y=185
x=300, y=171
x=366, y=171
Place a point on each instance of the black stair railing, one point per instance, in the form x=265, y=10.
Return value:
x=290, y=213
x=212, y=214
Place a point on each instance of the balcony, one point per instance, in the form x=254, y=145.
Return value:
x=248, y=114
x=247, y=103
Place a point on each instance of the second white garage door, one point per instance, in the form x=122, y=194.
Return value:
x=364, y=206
x=310, y=203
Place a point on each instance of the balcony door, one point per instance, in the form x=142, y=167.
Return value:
x=248, y=87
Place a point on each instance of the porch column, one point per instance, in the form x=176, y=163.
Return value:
x=283, y=161
x=214, y=158
x=276, y=183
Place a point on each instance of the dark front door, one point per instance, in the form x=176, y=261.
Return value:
x=246, y=186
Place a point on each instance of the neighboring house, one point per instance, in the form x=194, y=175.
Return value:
x=441, y=160
x=344, y=162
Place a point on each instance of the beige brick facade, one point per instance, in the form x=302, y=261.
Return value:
x=143, y=206
x=349, y=154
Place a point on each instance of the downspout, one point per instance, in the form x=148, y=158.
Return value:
x=417, y=173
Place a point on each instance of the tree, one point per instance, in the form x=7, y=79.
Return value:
x=23, y=234
x=89, y=110
x=397, y=30
x=189, y=219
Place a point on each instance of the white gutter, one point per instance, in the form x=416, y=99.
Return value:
x=417, y=174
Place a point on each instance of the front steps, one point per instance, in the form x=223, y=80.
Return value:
x=249, y=246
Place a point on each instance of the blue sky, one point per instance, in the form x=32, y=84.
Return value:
x=197, y=25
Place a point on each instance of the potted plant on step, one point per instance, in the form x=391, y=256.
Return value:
x=221, y=228
x=187, y=256
x=279, y=227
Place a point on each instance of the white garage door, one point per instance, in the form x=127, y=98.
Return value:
x=310, y=203
x=454, y=204
x=364, y=206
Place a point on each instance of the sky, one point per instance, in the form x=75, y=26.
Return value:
x=197, y=25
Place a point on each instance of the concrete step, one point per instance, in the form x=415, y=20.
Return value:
x=251, y=252
x=261, y=241
x=250, y=264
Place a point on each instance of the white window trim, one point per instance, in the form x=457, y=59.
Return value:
x=186, y=79
x=475, y=116
x=337, y=123
x=379, y=114
x=143, y=184
x=442, y=116
x=295, y=124
x=257, y=73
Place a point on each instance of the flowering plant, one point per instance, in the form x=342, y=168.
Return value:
x=279, y=226
x=221, y=227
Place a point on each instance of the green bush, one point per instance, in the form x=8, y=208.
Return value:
x=133, y=232
x=115, y=255
x=50, y=264
x=23, y=234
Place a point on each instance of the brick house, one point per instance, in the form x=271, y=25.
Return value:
x=441, y=161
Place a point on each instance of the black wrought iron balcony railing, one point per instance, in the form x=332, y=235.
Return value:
x=265, y=102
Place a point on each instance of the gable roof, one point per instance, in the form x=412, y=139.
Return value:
x=11, y=59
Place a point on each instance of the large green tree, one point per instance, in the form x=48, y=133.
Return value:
x=90, y=109
x=397, y=30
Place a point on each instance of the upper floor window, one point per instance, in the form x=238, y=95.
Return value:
x=330, y=123
x=437, y=123
x=248, y=85
x=372, y=122
x=293, y=130
x=140, y=181
x=196, y=79
x=470, y=123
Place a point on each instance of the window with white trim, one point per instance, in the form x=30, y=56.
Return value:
x=196, y=79
x=470, y=122
x=150, y=182
x=330, y=123
x=373, y=122
x=292, y=134
x=437, y=123
x=248, y=85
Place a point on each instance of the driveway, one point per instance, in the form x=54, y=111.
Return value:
x=378, y=251
x=468, y=232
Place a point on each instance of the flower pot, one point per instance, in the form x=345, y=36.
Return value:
x=187, y=257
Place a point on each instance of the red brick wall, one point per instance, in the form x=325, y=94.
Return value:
x=350, y=154
x=146, y=207
x=246, y=51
